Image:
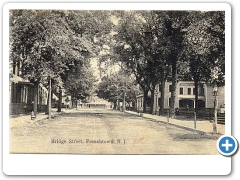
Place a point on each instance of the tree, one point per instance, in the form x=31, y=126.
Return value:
x=40, y=44
x=161, y=51
x=112, y=88
x=47, y=41
x=174, y=23
x=204, y=48
x=137, y=47
x=80, y=83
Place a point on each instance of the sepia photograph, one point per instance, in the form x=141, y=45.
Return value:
x=117, y=89
x=116, y=82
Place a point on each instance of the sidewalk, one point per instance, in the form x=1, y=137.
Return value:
x=24, y=119
x=201, y=126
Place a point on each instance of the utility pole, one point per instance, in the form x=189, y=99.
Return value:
x=50, y=98
x=215, y=93
x=215, y=129
x=60, y=100
x=124, y=92
x=124, y=100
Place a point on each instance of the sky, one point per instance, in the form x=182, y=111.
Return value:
x=94, y=61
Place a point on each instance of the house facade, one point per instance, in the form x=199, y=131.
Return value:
x=185, y=96
x=21, y=92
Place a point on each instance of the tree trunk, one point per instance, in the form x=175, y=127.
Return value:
x=51, y=98
x=124, y=102
x=47, y=109
x=49, y=95
x=35, y=98
x=145, y=96
x=118, y=104
x=162, y=91
x=115, y=105
x=152, y=101
x=196, y=83
x=173, y=90
x=60, y=100
x=72, y=103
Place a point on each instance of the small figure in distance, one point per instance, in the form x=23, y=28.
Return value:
x=25, y=108
x=177, y=111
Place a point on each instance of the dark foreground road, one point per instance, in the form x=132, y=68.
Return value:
x=92, y=131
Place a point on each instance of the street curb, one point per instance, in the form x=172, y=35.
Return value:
x=168, y=123
x=183, y=127
x=46, y=118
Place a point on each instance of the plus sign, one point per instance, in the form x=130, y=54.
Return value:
x=227, y=145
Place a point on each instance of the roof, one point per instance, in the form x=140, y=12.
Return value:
x=17, y=79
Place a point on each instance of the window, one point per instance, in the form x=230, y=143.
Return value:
x=193, y=91
x=189, y=91
x=170, y=88
x=181, y=91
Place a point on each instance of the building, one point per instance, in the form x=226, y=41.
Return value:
x=185, y=96
x=21, y=93
x=94, y=102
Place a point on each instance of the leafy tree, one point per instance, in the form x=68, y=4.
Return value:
x=112, y=88
x=80, y=83
x=204, y=48
x=161, y=51
x=174, y=23
x=136, y=48
x=46, y=42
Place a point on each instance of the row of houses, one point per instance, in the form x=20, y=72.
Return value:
x=21, y=96
x=185, y=96
x=21, y=93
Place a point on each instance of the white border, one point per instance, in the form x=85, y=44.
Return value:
x=27, y=164
x=121, y=6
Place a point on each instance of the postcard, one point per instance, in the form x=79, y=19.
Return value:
x=117, y=89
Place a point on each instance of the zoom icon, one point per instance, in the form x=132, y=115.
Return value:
x=227, y=145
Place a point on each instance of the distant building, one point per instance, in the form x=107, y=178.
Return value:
x=185, y=96
x=95, y=102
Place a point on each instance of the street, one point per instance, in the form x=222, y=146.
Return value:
x=106, y=131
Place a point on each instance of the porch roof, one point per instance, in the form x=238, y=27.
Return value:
x=17, y=79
